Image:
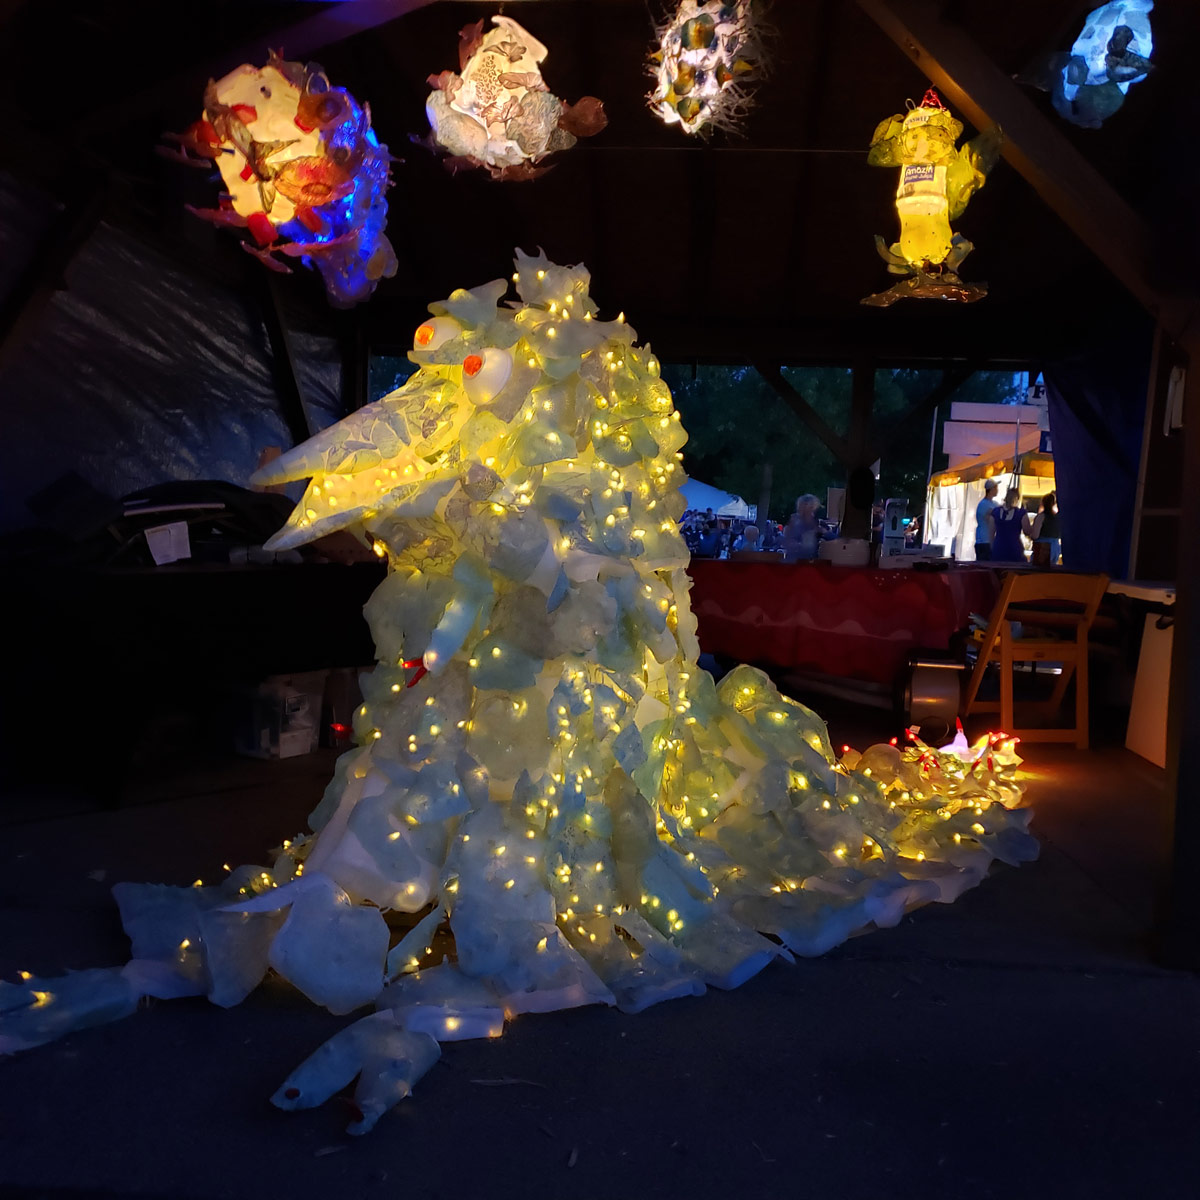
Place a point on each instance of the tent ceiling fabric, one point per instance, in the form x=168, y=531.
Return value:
x=702, y=496
x=734, y=247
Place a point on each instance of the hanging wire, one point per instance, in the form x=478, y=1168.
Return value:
x=726, y=149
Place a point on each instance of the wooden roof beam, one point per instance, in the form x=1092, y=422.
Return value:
x=44, y=275
x=1060, y=175
x=837, y=445
x=953, y=377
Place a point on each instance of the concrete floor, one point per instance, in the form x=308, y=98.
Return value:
x=1017, y=1043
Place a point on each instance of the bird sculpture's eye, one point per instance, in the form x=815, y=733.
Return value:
x=435, y=331
x=484, y=375
x=266, y=91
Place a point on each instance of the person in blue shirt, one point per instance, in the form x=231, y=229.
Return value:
x=984, y=529
x=710, y=541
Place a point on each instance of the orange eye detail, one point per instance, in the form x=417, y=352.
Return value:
x=424, y=335
x=472, y=364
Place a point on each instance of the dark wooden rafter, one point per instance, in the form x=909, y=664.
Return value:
x=853, y=451
x=856, y=510
x=862, y=407
x=287, y=383
x=353, y=345
x=838, y=446
x=37, y=283
x=952, y=379
x=1042, y=155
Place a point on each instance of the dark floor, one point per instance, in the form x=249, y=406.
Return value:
x=1019, y=1043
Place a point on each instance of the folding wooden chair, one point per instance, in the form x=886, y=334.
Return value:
x=1055, y=613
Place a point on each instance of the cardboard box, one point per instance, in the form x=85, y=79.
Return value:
x=281, y=717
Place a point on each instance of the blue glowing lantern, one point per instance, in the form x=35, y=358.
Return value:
x=1088, y=83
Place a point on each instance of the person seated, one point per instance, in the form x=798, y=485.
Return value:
x=748, y=539
x=751, y=549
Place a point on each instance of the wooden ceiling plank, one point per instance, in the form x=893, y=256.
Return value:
x=298, y=40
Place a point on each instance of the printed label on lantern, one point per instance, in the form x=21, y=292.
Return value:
x=917, y=173
x=169, y=543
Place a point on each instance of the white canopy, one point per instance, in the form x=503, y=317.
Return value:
x=704, y=496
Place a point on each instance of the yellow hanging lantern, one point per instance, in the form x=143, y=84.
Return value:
x=937, y=180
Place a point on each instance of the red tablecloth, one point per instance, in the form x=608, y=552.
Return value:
x=851, y=622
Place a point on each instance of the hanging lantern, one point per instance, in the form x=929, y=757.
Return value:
x=937, y=180
x=497, y=112
x=1089, y=83
x=706, y=54
x=303, y=171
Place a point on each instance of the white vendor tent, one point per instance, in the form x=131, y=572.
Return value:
x=986, y=441
x=703, y=496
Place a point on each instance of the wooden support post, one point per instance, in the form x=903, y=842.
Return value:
x=287, y=385
x=1152, y=386
x=1178, y=928
x=354, y=364
x=856, y=517
x=764, y=496
x=862, y=403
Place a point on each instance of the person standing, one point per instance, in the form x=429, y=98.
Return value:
x=1010, y=522
x=984, y=529
x=802, y=533
x=710, y=541
x=1046, y=529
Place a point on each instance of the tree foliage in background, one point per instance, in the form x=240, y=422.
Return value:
x=737, y=422
x=387, y=372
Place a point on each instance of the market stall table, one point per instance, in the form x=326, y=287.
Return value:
x=857, y=623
